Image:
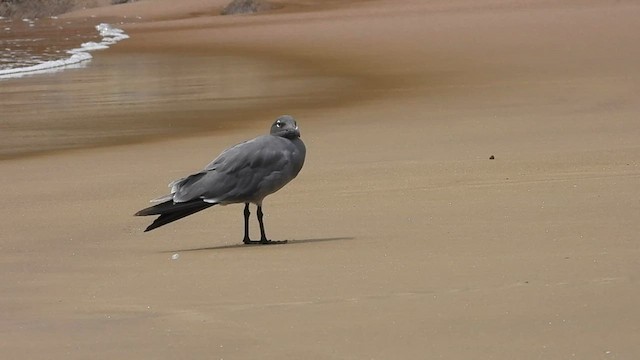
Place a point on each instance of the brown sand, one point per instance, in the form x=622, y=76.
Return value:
x=407, y=242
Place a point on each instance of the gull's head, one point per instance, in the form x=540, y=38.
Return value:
x=285, y=126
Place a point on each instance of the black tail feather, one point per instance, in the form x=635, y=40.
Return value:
x=170, y=211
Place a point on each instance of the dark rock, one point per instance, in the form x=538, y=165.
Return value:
x=30, y=9
x=245, y=7
x=491, y=157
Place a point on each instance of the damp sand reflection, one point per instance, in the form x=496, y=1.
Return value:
x=124, y=98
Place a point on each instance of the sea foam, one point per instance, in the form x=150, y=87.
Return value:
x=78, y=57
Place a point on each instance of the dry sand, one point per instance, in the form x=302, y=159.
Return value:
x=406, y=241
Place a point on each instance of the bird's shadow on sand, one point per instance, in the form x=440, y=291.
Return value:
x=247, y=246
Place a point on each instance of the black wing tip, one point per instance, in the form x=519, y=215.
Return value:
x=157, y=209
x=147, y=212
x=179, y=211
x=155, y=224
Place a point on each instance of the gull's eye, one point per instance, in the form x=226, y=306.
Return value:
x=278, y=124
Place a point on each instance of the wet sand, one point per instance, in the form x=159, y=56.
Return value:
x=125, y=96
x=406, y=241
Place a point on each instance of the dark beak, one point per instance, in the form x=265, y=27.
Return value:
x=293, y=133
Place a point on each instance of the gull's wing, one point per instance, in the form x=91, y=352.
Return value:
x=246, y=172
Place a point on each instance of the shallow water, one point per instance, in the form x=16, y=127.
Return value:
x=28, y=42
x=44, y=46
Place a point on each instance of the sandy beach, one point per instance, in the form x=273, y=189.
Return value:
x=406, y=241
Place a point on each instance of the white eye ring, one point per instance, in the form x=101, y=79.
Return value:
x=278, y=124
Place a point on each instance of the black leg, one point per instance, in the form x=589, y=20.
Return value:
x=263, y=236
x=246, y=239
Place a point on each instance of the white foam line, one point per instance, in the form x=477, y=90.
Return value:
x=79, y=56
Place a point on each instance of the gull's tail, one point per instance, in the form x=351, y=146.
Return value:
x=170, y=211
